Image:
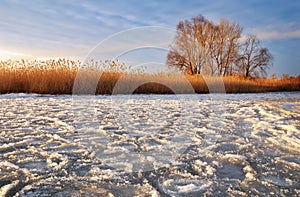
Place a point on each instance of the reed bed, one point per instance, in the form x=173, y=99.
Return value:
x=58, y=77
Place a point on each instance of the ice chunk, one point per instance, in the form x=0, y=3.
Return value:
x=234, y=159
x=187, y=188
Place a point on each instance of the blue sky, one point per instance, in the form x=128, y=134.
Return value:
x=48, y=29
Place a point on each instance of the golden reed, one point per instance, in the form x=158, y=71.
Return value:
x=58, y=76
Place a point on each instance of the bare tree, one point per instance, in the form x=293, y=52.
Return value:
x=201, y=46
x=253, y=60
x=226, y=46
x=188, y=51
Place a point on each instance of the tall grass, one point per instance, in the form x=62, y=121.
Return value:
x=58, y=77
x=44, y=77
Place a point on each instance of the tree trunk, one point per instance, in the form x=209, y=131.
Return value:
x=247, y=73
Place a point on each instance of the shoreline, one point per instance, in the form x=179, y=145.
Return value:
x=70, y=80
x=206, y=93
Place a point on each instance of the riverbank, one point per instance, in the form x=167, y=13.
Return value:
x=61, y=80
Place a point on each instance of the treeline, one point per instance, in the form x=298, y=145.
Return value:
x=217, y=49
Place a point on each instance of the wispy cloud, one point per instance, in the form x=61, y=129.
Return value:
x=275, y=35
x=72, y=28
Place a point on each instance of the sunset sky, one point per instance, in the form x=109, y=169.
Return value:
x=51, y=29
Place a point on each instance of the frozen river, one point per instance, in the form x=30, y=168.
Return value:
x=150, y=145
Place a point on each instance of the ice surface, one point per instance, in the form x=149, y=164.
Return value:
x=5, y=189
x=150, y=145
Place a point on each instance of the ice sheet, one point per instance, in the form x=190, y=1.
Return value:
x=155, y=145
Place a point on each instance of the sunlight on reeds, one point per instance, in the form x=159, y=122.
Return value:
x=58, y=76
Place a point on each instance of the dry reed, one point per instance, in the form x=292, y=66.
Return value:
x=58, y=76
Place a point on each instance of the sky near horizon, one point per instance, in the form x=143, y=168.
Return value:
x=36, y=29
